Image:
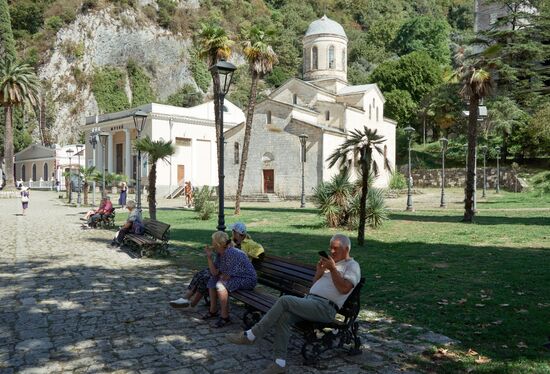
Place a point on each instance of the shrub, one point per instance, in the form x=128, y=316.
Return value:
x=397, y=181
x=140, y=83
x=204, y=205
x=200, y=71
x=207, y=210
x=108, y=87
x=186, y=97
x=541, y=182
x=88, y=5
x=54, y=23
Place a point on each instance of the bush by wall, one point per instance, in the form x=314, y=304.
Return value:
x=140, y=83
x=108, y=87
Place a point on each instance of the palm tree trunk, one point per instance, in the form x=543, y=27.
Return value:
x=85, y=190
x=472, y=144
x=8, y=149
x=365, y=165
x=246, y=140
x=151, y=197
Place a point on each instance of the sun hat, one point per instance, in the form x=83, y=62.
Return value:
x=239, y=227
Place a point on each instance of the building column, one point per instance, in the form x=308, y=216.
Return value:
x=110, y=153
x=127, y=154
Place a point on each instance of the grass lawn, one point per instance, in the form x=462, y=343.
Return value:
x=486, y=284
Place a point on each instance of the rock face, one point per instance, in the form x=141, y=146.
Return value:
x=104, y=38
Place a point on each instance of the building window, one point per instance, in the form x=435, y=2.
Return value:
x=268, y=117
x=344, y=59
x=314, y=61
x=184, y=142
x=370, y=111
x=327, y=115
x=34, y=172
x=294, y=99
x=373, y=103
x=45, y=171
x=331, y=60
x=23, y=174
x=376, y=114
x=236, y=155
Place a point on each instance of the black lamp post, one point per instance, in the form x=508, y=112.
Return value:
x=225, y=71
x=444, y=142
x=79, y=148
x=497, y=148
x=103, y=136
x=409, y=131
x=484, y=150
x=303, y=140
x=70, y=154
x=140, y=117
x=93, y=139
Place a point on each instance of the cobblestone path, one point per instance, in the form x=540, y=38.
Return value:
x=70, y=304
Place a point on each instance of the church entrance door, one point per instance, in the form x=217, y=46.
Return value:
x=269, y=182
x=181, y=175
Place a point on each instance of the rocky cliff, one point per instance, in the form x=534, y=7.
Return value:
x=107, y=38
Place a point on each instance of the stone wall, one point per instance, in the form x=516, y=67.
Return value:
x=456, y=177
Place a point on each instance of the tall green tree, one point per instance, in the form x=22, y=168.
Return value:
x=18, y=85
x=424, y=34
x=214, y=44
x=361, y=142
x=261, y=58
x=7, y=43
x=158, y=150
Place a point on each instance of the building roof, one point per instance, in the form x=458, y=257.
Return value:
x=356, y=89
x=325, y=26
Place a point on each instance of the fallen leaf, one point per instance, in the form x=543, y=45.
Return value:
x=521, y=345
x=520, y=293
x=443, y=302
x=480, y=305
x=504, y=346
x=471, y=352
x=497, y=322
x=522, y=311
x=503, y=305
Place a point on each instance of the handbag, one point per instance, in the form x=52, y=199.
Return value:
x=25, y=199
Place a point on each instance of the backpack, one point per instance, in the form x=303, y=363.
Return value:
x=138, y=228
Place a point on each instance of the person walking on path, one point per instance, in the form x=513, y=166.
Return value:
x=336, y=276
x=123, y=194
x=25, y=198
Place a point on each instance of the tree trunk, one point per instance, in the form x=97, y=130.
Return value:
x=472, y=145
x=246, y=140
x=85, y=192
x=151, y=197
x=365, y=161
x=8, y=149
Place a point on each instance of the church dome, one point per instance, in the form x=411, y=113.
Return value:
x=325, y=26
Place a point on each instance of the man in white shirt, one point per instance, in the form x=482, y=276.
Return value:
x=335, y=278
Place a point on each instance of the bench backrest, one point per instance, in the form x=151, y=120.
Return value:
x=352, y=305
x=282, y=274
x=156, y=229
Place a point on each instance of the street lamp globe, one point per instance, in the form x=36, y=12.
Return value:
x=225, y=71
x=140, y=117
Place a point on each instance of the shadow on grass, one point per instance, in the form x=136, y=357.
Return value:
x=480, y=219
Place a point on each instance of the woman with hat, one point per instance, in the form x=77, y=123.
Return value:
x=25, y=198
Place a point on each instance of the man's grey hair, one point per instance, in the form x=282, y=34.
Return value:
x=131, y=204
x=342, y=239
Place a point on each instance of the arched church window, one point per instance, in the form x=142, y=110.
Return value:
x=45, y=171
x=236, y=155
x=370, y=111
x=314, y=59
x=33, y=172
x=294, y=99
x=23, y=174
x=327, y=115
x=376, y=114
x=268, y=117
x=331, y=60
x=344, y=59
x=373, y=104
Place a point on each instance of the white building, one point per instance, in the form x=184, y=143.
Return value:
x=191, y=130
x=324, y=107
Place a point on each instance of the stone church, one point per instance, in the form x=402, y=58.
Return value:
x=323, y=106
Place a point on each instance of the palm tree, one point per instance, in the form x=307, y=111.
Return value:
x=88, y=175
x=477, y=84
x=362, y=143
x=18, y=85
x=214, y=44
x=157, y=150
x=261, y=58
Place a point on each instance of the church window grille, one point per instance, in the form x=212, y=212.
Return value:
x=33, y=172
x=370, y=111
x=327, y=115
x=331, y=60
x=314, y=59
x=45, y=171
x=236, y=155
x=268, y=117
x=294, y=99
x=23, y=174
x=376, y=114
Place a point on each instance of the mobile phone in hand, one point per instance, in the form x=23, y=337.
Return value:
x=323, y=254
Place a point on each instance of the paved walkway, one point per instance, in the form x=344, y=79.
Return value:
x=70, y=304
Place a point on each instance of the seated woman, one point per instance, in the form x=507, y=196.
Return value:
x=134, y=217
x=197, y=289
x=231, y=271
x=105, y=207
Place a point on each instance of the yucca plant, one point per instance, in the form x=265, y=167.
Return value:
x=325, y=203
x=377, y=212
